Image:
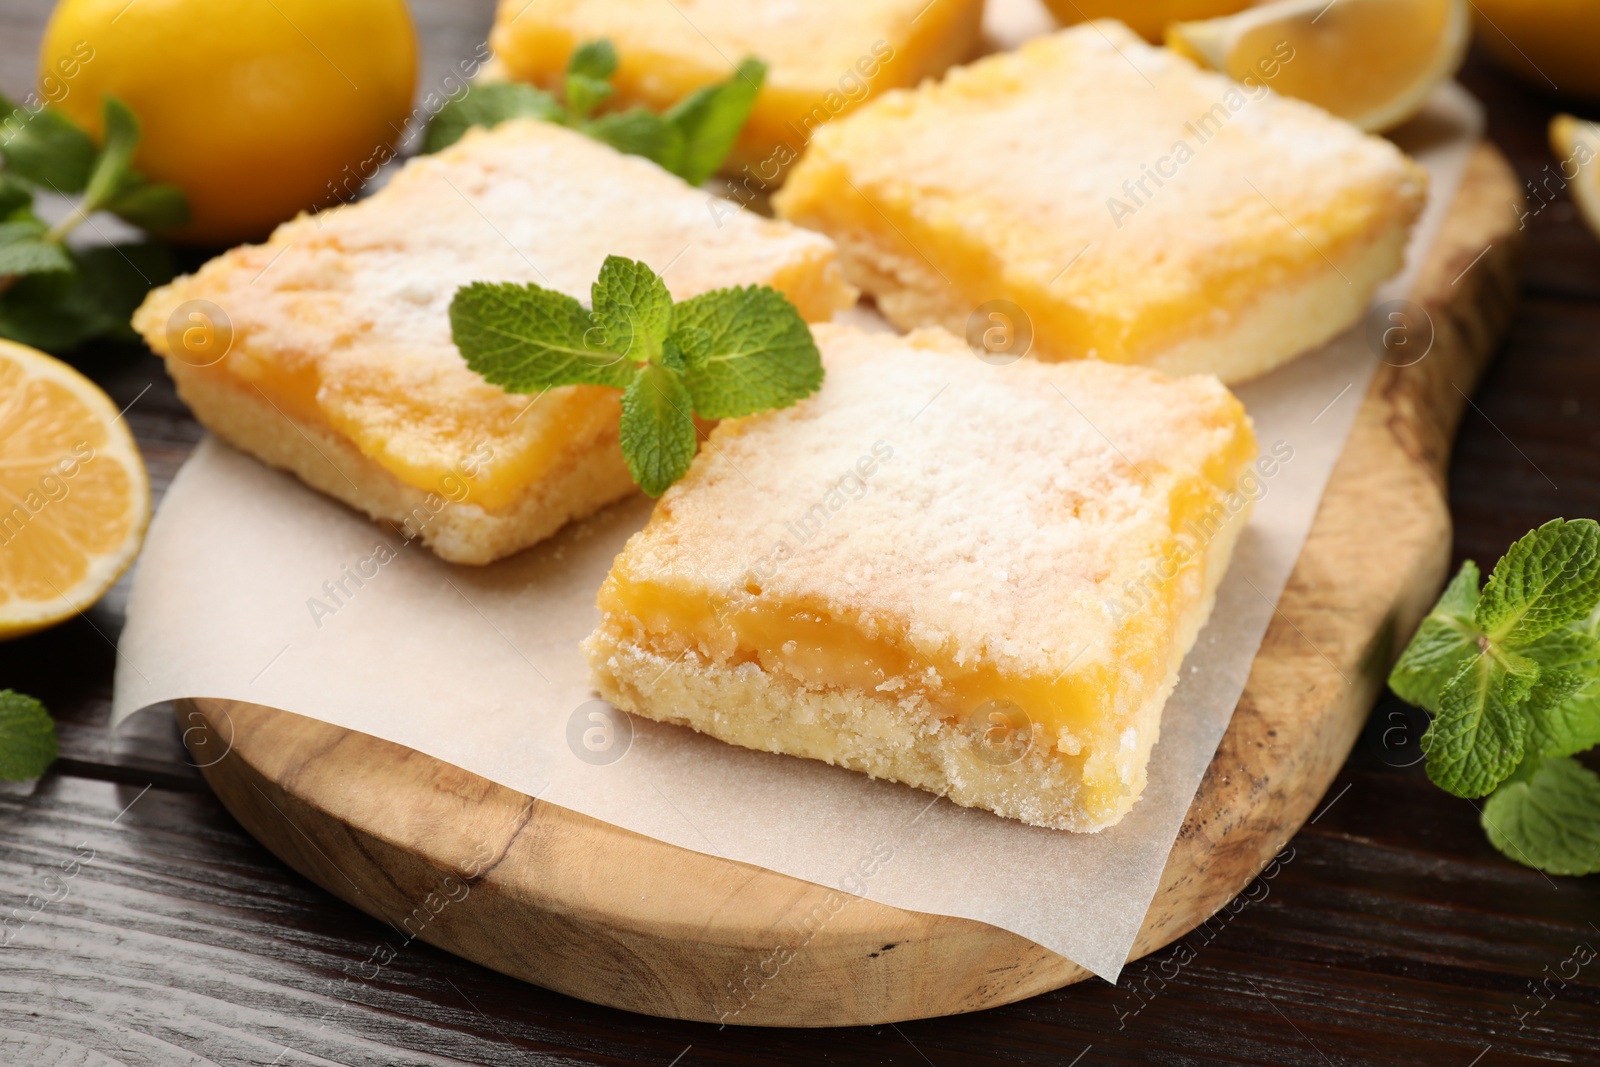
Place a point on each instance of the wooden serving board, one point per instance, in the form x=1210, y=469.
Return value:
x=567, y=902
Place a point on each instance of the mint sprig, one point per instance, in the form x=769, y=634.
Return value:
x=1511, y=674
x=27, y=737
x=690, y=139
x=722, y=354
x=52, y=296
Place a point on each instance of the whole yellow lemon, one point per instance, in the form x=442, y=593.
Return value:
x=1148, y=18
x=1549, y=42
x=256, y=109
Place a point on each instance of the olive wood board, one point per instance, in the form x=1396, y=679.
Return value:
x=565, y=901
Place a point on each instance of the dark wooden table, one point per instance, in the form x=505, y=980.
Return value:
x=1394, y=934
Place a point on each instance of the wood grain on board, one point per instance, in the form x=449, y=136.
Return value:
x=562, y=900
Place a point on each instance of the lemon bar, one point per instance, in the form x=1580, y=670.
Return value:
x=823, y=56
x=1131, y=207
x=327, y=351
x=977, y=580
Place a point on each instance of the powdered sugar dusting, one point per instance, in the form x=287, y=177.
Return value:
x=990, y=512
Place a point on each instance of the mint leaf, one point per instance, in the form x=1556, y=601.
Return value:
x=46, y=149
x=1563, y=712
x=1478, y=736
x=639, y=132
x=1447, y=638
x=1563, y=708
x=1548, y=579
x=1572, y=645
x=15, y=197
x=149, y=206
x=112, y=169
x=711, y=118
x=27, y=737
x=633, y=308
x=524, y=338
x=658, y=434
x=584, y=94
x=589, y=73
x=1548, y=819
x=746, y=350
x=24, y=250
x=57, y=312
x=489, y=105
x=595, y=59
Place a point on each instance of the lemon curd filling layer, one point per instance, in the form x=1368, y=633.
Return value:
x=341, y=321
x=1005, y=555
x=821, y=646
x=487, y=454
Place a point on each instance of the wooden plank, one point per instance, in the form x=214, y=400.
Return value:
x=184, y=936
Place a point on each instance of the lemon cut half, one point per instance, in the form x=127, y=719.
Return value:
x=74, y=498
x=1372, y=62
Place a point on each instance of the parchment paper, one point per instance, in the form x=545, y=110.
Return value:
x=481, y=668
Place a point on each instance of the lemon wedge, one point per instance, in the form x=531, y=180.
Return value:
x=1373, y=62
x=74, y=498
x=1577, y=145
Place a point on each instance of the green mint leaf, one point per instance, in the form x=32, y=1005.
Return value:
x=593, y=59
x=24, y=250
x=1478, y=737
x=46, y=149
x=1549, y=819
x=747, y=350
x=149, y=206
x=1444, y=642
x=1573, y=645
x=658, y=433
x=488, y=106
x=1563, y=712
x=711, y=118
x=633, y=308
x=1548, y=579
x=524, y=338
x=112, y=283
x=672, y=356
x=16, y=198
x=589, y=73
x=1563, y=708
x=584, y=94
x=639, y=132
x=112, y=171
x=57, y=312
x=27, y=737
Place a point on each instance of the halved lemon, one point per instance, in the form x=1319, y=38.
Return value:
x=74, y=498
x=1577, y=146
x=1373, y=62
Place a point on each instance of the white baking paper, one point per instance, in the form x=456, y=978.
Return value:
x=480, y=667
